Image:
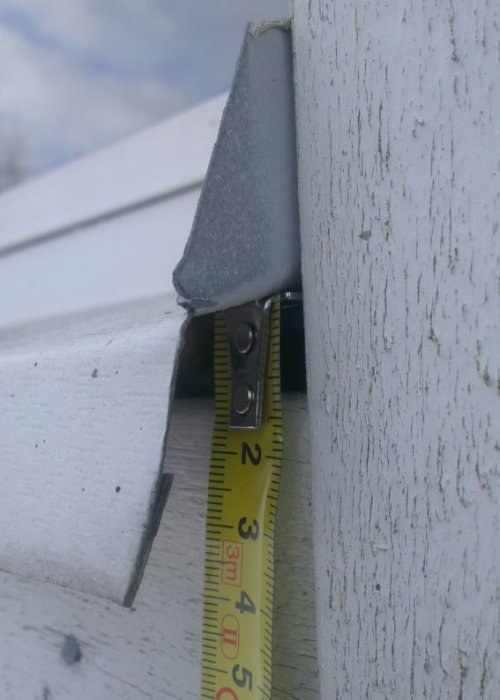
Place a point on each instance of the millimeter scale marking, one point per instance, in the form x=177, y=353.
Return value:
x=239, y=551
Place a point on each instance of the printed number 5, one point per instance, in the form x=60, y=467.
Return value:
x=241, y=676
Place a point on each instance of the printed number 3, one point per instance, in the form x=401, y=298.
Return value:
x=248, y=532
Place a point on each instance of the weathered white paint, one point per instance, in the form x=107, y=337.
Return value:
x=398, y=110
x=153, y=650
x=84, y=405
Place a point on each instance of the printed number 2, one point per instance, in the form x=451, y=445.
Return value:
x=246, y=451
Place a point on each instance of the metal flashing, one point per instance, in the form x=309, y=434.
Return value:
x=244, y=244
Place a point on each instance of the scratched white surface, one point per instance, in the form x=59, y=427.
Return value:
x=153, y=650
x=398, y=109
x=84, y=404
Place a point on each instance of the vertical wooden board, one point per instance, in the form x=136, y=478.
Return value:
x=153, y=649
x=398, y=112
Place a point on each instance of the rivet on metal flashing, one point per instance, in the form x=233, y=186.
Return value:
x=243, y=398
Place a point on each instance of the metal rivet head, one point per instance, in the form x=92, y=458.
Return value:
x=244, y=338
x=243, y=397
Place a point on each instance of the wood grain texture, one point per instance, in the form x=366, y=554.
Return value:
x=398, y=109
x=153, y=650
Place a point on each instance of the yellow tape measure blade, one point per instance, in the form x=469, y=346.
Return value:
x=239, y=556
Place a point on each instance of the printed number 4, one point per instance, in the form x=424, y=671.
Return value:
x=245, y=604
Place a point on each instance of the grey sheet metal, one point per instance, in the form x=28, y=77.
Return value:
x=244, y=243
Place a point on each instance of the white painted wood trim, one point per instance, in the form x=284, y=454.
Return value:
x=85, y=387
x=398, y=113
x=85, y=406
x=89, y=330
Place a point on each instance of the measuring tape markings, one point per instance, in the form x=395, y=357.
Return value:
x=239, y=556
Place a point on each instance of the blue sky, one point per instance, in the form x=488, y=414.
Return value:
x=76, y=75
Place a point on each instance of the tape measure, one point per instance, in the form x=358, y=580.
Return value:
x=239, y=555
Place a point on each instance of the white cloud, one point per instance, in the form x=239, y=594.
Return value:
x=123, y=33
x=77, y=74
x=60, y=111
x=131, y=31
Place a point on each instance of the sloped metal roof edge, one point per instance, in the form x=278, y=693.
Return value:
x=154, y=164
